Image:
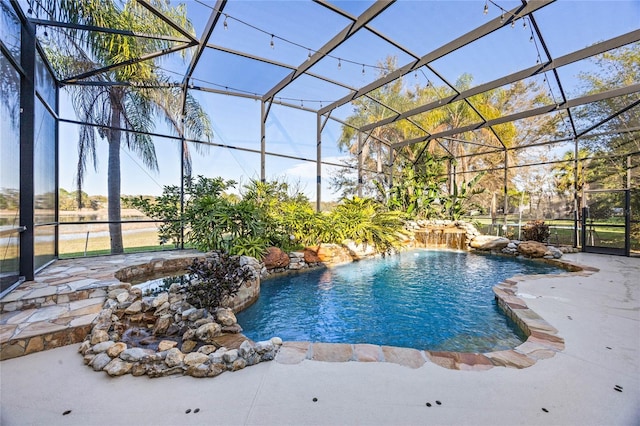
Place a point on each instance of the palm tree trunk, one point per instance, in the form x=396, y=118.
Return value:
x=113, y=183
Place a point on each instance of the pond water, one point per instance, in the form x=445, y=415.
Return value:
x=435, y=300
x=152, y=285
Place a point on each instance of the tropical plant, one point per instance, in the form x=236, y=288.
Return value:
x=419, y=192
x=289, y=220
x=249, y=245
x=120, y=102
x=365, y=221
x=459, y=203
x=215, y=279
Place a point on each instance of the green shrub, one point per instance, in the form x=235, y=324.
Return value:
x=215, y=279
x=536, y=230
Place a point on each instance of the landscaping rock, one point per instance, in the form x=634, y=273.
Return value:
x=144, y=320
x=165, y=345
x=134, y=308
x=188, y=346
x=556, y=253
x=533, y=249
x=100, y=361
x=102, y=346
x=311, y=256
x=276, y=258
x=99, y=336
x=118, y=367
x=195, y=358
x=489, y=242
x=174, y=357
x=226, y=317
x=135, y=354
x=333, y=254
x=208, y=332
x=162, y=325
x=116, y=349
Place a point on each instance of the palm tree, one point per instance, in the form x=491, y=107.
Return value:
x=124, y=100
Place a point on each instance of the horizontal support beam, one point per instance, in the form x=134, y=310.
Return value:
x=71, y=26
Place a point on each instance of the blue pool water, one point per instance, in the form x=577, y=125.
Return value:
x=437, y=300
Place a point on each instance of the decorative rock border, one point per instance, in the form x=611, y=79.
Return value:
x=206, y=352
x=209, y=343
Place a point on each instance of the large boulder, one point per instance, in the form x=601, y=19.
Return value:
x=532, y=249
x=311, y=255
x=276, y=258
x=333, y=254
x=489, y=242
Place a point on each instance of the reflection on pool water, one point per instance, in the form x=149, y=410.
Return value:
x=436, y=300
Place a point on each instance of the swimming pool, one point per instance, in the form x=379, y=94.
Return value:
x=422, y=299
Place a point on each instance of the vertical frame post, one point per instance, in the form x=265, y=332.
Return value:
x=263, y=143
x=318, y=162
x=359, y=163
x=576, y=203
x=27, y=134
x=506, y=189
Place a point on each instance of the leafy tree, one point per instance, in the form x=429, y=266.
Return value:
x=121, y=110
x=212, y=220
x=456, y=151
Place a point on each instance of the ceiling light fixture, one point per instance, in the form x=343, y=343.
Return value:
x=486, y=7
x=339, y=64
x=224, y=24
x=272, y=44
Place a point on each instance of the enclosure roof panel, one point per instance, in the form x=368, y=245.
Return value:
x=331, y=57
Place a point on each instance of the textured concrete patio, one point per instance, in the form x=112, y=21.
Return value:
x=593, y=380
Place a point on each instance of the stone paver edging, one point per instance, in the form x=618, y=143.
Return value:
x=542, y=341
x=79, y=287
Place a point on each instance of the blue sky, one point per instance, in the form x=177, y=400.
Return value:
x=421, y=26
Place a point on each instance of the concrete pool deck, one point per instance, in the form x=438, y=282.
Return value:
x=597, y=315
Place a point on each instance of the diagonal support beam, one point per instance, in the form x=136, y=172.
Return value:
x=128, y=62
x=456, y=44
x=208, y=30
x=151, y=8
x=578, y=55
x=376, y=9
x=609, y=118
x=572, y=103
